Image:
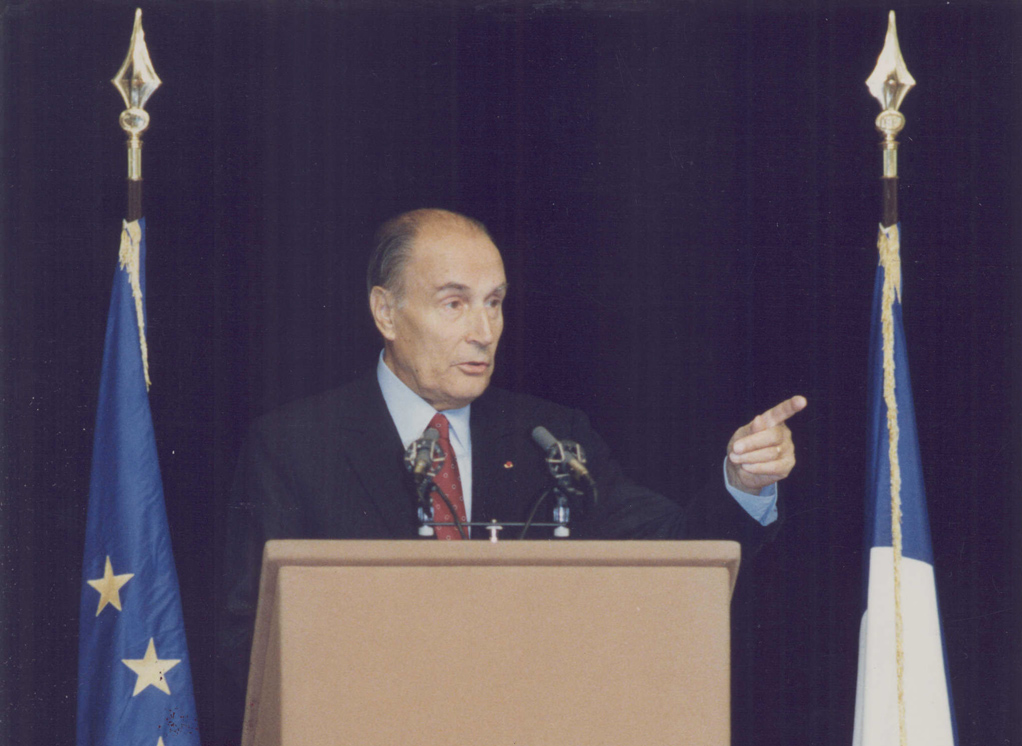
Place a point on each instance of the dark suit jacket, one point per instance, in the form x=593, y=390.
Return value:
x=331, y=467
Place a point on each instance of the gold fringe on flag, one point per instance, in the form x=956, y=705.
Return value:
x=889, y=244
x=131, y=237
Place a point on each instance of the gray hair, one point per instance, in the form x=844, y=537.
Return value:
x=393, y=244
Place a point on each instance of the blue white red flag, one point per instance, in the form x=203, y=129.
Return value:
x=903, y=696
x=134, y=680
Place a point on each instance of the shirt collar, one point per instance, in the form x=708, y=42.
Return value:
x=411, y=413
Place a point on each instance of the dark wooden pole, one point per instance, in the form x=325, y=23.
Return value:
x=134, y=200
x=890, y=198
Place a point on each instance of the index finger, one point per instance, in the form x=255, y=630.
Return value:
x=776, y=415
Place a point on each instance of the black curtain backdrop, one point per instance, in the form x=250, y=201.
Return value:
x=686, y=195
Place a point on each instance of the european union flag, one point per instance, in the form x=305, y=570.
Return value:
x=134, y=680
x=903, y=695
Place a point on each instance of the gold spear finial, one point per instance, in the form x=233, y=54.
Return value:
x=136, y=81
x=889, y=83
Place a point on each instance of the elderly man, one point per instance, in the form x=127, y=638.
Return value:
x=331, y=466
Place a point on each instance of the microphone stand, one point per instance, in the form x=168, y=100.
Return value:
x=425, y=508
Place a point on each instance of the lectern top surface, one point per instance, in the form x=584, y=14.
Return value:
x=306, y=552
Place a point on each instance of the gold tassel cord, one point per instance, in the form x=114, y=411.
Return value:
x=888, y=244
x=131, y=237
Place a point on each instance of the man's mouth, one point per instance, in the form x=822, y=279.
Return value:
x=474, y=368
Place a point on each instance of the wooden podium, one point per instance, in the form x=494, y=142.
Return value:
x=527, y=643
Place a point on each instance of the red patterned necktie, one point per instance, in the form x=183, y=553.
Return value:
x=448, y=480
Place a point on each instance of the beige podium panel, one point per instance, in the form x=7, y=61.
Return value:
x=402, y=643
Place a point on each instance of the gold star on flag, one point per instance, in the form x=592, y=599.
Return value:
x=160, y=742
x=151, y=670
x=109, y=587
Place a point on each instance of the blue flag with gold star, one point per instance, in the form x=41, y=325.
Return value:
x=134, y=679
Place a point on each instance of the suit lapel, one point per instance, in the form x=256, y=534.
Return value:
x=371, y=442
x=493, y=457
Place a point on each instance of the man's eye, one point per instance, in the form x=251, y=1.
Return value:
x=496, y=302
x=453, y=304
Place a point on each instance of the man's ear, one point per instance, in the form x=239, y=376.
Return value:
x=382, y=304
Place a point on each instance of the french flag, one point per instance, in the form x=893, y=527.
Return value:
x=903, y=695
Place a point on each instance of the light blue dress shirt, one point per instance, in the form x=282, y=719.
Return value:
x=412, y=414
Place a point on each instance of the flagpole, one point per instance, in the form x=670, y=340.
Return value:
x=136, y=81
x=889, y=82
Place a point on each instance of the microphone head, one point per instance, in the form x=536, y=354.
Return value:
x=424, y=455
x=543, y=438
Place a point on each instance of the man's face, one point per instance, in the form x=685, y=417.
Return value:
x=441, y=329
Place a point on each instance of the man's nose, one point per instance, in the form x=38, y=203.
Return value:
x=481, y=331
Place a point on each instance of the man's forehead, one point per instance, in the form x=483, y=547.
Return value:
x=454, y=254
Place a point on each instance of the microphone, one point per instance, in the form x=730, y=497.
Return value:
x=561, y=454
x=423, y=457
